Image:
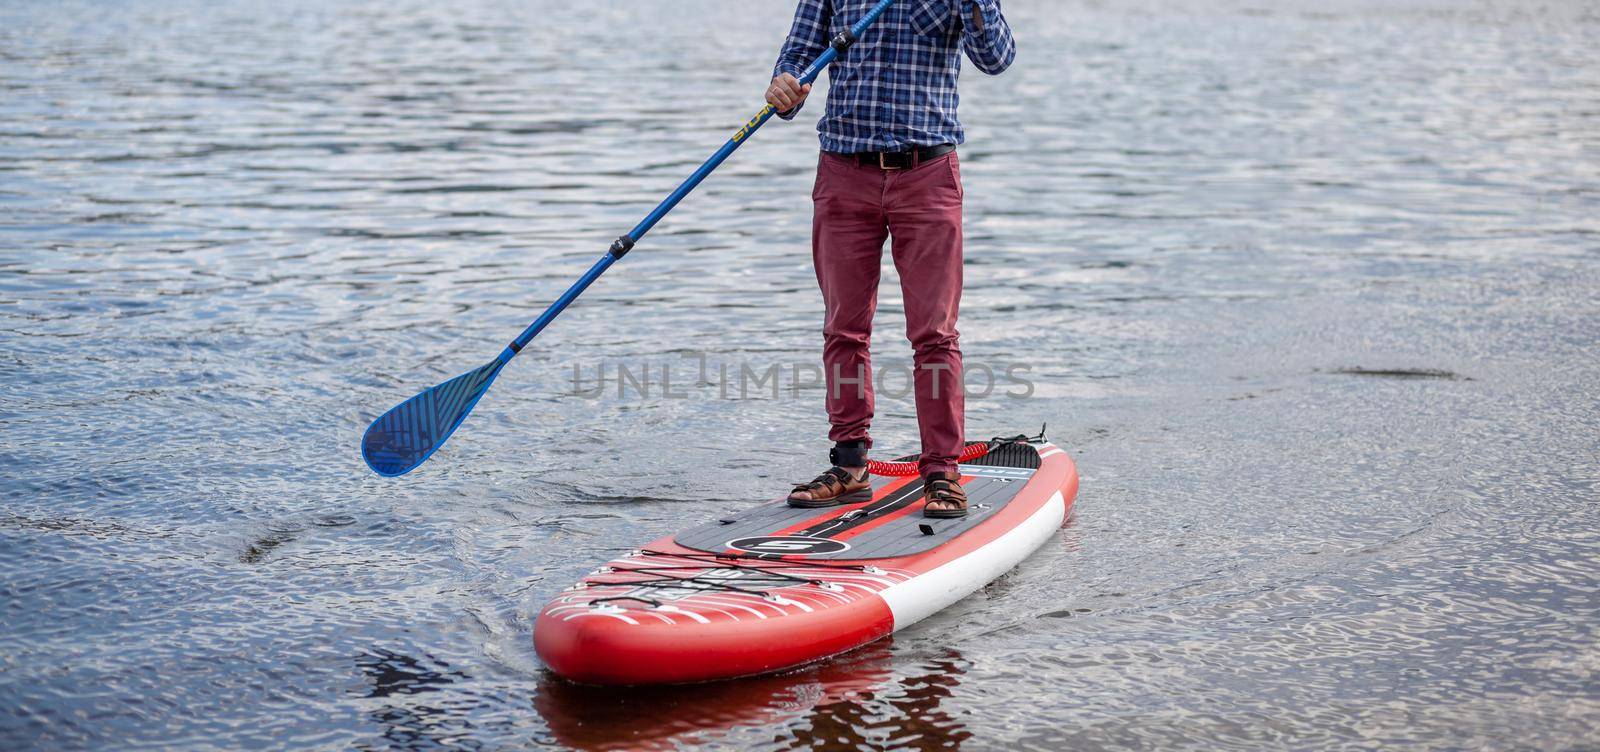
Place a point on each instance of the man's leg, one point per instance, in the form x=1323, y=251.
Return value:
x=847, y=233
x=924, y=213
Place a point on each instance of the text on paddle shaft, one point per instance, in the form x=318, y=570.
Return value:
x=740, y=134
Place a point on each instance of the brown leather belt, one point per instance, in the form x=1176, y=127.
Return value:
x=897, y=160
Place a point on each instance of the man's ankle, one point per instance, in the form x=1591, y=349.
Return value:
x=849, y=454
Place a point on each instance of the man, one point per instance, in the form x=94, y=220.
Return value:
x=888, y=169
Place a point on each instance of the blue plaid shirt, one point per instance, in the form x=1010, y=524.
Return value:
x=896, y=87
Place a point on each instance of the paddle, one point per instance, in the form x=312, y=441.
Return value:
x=403, y=438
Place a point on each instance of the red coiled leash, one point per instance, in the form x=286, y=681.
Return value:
x=974, y=450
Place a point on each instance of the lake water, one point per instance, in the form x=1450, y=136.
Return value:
x=1310, y=289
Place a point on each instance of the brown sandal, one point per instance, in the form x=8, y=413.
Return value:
x=944, y=490
x=834, y=487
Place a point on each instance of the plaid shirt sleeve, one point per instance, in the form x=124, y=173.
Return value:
x=986, y=36
x=808, y=37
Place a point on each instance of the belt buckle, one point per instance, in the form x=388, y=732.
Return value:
x=884, y=165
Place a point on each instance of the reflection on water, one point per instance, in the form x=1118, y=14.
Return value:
x=586, y=717
x=855, y=701
x=408, y=723
x=1309, y=289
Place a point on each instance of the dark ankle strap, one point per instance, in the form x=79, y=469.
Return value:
x=848, y=453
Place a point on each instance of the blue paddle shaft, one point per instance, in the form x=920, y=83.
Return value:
x=557, y=307
x=625, y=243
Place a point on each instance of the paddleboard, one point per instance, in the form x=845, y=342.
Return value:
x=773, y=587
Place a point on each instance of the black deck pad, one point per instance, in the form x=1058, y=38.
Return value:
x=858, y=531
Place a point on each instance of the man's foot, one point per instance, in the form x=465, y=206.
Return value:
x=839, y=485
x=945, y=496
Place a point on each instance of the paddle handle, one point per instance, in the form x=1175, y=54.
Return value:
x=623, y=244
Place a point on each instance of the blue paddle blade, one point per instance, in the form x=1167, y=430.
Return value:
x=403, y=438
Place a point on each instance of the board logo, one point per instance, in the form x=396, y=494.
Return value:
x=788, y=545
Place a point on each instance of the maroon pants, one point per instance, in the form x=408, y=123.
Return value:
x=857, y=208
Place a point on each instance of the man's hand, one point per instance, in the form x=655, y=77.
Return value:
x=786, y=92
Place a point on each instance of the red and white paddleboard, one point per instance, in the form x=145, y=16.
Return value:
x=773, y=587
